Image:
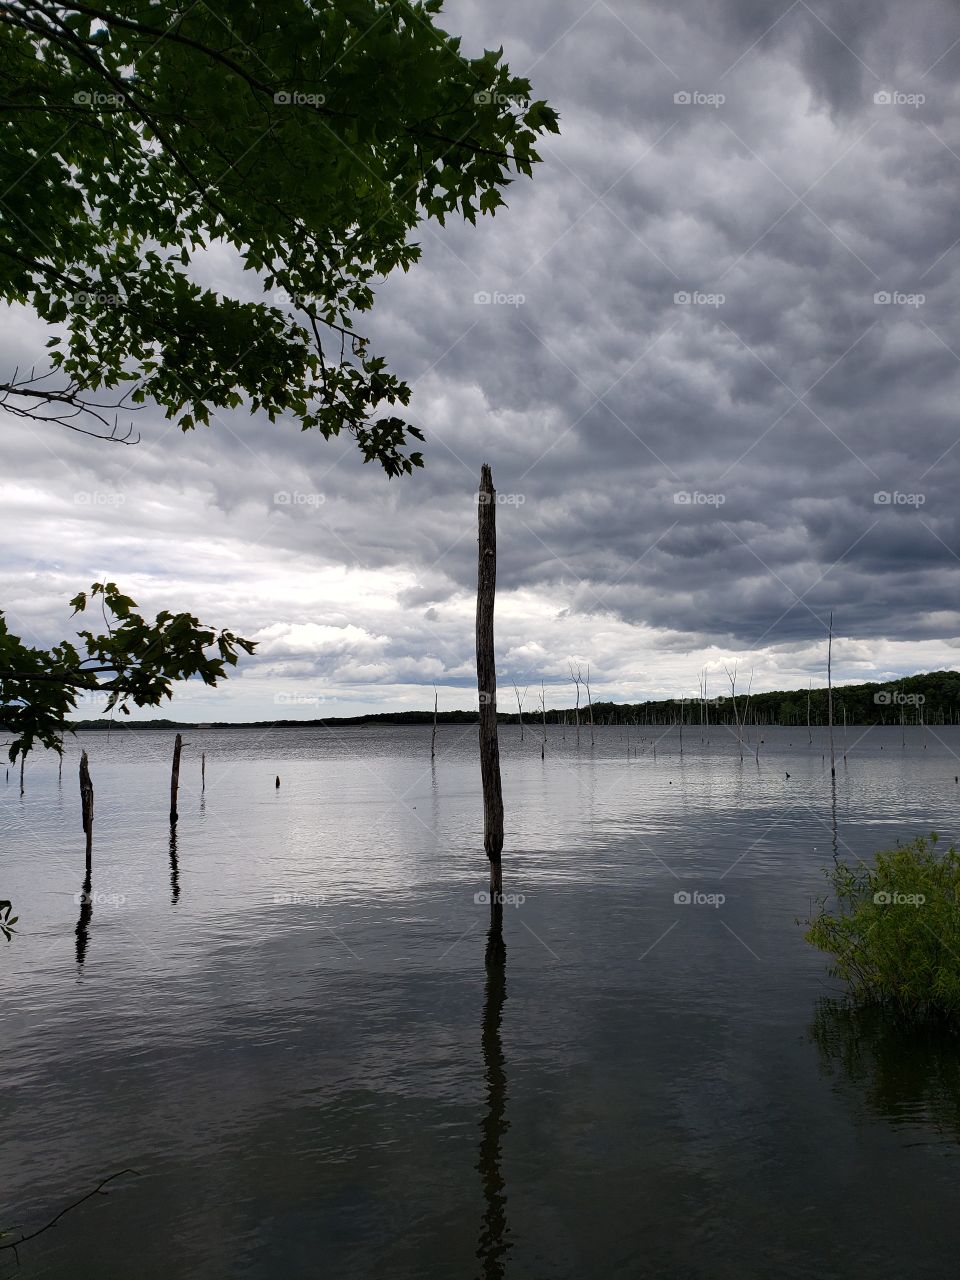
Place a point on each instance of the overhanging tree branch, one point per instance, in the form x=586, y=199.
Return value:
x=313, y=142
x=39, y=688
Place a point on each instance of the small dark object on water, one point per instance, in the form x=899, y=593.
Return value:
x=788, y=775
x=278, y=780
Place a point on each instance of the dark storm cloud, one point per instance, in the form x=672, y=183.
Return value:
x=726, y=469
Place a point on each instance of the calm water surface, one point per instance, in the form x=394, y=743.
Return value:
x=285, y=1023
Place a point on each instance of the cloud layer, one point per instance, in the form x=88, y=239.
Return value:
x=711, y=353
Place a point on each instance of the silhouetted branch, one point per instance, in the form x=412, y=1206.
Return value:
x=14, y=1244
x=70, y=403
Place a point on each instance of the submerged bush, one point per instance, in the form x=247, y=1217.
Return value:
x=894, y=929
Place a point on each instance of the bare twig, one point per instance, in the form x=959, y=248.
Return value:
x=24, y=397
x=14, y=1244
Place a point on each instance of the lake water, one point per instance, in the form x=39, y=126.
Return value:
x=286, y=1026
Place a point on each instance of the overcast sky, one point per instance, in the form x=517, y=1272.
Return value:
x=683, y=483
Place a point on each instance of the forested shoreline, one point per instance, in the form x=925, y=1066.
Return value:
x=930, y=698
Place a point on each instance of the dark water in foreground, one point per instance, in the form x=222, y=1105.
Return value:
x=285, y=1023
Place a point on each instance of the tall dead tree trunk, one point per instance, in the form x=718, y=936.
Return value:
x=520, y=698
x=706, y=704
x=433, y=736
x=86, y=805
x=590, y=704
x=487, y=679
x=175, y=778
x=576, y=680
x=733, y=697
x=543, y=713
x=756, y=722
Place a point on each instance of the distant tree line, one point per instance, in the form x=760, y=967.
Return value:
x=932, y=698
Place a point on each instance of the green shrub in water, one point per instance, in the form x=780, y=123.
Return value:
x=893, y=929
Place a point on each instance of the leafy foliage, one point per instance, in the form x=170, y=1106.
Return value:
x=7, y=921
x=309, y=138
x=895, y=931
x=133, y=661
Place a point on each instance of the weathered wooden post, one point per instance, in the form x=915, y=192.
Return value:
x=175, y=778
x=203, y=772
x=487, y=680
x=86, y=804
x=23, y=758
x=433, y=737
